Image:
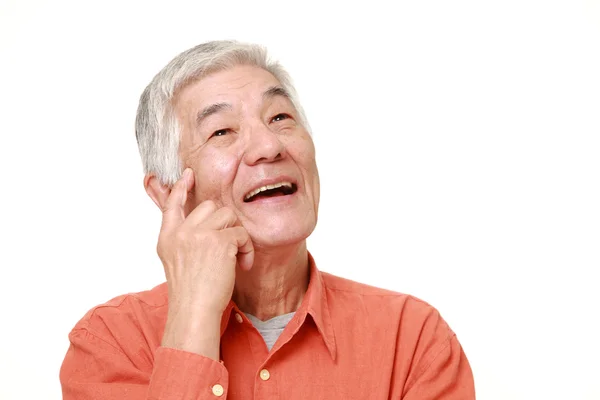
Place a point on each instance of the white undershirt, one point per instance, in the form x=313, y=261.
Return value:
x=272, y=328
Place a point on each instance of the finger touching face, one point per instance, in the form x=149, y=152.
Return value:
x=250, y=152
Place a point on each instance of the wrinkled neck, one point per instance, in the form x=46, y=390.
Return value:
x=276, y=284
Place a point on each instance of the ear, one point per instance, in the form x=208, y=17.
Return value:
x=158, y=192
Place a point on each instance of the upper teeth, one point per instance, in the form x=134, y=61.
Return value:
x=267, y=187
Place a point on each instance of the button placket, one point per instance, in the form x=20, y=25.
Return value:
x=265, y=386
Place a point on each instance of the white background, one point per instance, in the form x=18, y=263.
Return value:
x=458, y=144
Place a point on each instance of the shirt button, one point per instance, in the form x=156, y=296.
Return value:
x=265, y=375
x=218, y=390
x=238, y=318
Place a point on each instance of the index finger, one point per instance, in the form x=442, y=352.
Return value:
x=173, y=210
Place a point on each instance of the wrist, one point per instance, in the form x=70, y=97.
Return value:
x=198, y=333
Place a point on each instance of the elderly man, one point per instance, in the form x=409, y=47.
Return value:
x=245, y=313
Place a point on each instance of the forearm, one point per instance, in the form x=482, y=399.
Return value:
x=181, y=375
x=193, y=332
x=96, y=369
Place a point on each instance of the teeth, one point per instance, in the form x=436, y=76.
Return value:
x=267, y=187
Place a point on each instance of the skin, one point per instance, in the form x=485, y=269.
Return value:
x=213, y=245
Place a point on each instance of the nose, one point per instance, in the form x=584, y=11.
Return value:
x=263, y=145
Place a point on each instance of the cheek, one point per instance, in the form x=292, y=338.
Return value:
x=214, y=176
x=303, y=151
x=301, y=147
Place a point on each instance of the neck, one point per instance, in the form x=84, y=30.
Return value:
x=276, y=283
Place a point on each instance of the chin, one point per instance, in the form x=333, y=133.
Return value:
x=280, y=233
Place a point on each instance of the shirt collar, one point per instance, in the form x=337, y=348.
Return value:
x=318, y=307
x=314, y=303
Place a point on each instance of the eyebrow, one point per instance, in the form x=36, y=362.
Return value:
x=210, y=110
x=273, y=91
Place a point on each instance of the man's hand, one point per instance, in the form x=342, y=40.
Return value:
x=199, y=253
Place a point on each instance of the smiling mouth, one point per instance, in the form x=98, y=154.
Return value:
x=277, y=189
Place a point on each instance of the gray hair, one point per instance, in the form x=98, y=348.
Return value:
x=156, y=127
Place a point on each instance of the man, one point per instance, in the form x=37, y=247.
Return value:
x=245, y=313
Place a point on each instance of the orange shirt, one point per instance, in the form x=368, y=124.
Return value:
x=346, y=341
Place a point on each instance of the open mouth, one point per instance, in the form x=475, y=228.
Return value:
x=277, y=189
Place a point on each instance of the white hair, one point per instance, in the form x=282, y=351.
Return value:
x=156, y=126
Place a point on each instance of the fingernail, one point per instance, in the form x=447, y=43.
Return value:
x=187, y=173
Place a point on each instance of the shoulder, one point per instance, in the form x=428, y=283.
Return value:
x=126, y=329
x=124, y=310
x=409, y=316
x=352, y=290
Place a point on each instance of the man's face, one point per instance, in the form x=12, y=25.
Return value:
x=241, y=133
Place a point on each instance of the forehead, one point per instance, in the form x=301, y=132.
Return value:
x=239, y=83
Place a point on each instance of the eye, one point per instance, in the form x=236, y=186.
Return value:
x=220, y=132
x=280, y=117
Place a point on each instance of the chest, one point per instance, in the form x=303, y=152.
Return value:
x=302, y=366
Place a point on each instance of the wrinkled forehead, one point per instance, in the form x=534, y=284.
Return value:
x=239, y=83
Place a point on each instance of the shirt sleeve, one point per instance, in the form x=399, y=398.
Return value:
x=94, y=368
x=439, y=368
x=446, y=376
